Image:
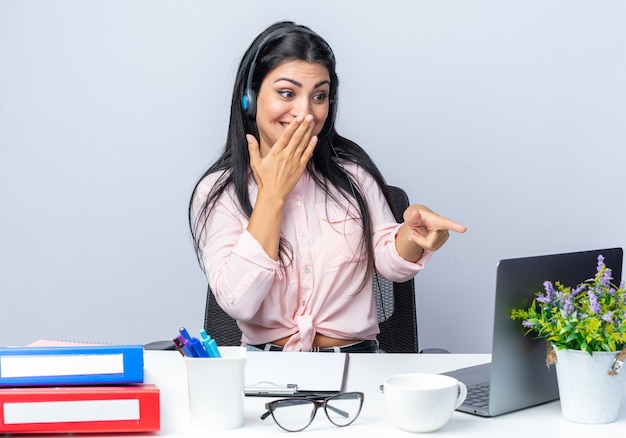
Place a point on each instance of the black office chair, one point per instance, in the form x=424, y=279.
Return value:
x=395, y=304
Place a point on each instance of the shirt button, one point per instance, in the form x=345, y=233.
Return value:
x=307, y=270
x=302, y=303
x=302, y=233
x=298, y=203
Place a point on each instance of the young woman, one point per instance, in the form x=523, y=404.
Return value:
x=292, y=220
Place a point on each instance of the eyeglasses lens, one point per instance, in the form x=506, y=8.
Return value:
x=293, y=415
x=343, y=409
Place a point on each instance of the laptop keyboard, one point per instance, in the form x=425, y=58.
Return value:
x=477, y=395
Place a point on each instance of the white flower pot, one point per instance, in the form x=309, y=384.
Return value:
x=589, y=394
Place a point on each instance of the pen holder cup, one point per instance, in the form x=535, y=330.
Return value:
x=216, y=389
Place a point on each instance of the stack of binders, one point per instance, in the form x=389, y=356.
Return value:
x=76, y=389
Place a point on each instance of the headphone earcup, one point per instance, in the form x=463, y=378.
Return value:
x=248, y=103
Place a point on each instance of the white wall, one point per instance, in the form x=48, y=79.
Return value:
x=506, y=116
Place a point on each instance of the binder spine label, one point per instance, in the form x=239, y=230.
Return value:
x=60, y=365
x=71, y=411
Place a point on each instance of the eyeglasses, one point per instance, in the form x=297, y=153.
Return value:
x=297, y=413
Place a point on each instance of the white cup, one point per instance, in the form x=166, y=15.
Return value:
x=216, y=389
x=421, y=402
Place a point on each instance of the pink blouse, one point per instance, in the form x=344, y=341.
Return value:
x=317, y=293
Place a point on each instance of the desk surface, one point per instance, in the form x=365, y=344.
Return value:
x=365, y=373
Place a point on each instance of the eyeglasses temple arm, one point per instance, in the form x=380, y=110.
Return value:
x=344, y=414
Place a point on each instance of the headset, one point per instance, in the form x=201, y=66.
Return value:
x=248, y=100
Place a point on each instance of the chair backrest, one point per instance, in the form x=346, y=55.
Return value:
x=395, y=302
x=395, y=305
x=218, y=324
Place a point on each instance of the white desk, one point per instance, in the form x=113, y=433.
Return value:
x=365, y=373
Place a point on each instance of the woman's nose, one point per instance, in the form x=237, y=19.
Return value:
x=301, y=107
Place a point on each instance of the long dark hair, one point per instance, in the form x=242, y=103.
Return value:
x=290, y=42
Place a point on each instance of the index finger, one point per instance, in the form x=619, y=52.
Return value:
x=451, y=225
x=434, y=221
x=286, y=136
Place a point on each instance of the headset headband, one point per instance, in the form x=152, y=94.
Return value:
x=248, y=100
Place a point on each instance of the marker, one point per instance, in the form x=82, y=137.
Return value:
x=183, y=331
x=209, y=344
x=184, y=344
x=179, y=347
x=197, y=348
x=193, y=344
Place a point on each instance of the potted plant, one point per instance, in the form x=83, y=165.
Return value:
x=585, y=328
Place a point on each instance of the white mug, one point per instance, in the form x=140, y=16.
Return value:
x=422, y=402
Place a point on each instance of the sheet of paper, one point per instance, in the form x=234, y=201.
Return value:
x=57, y=343
x=310, y=372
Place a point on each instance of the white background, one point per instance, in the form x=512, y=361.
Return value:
x=507, y=116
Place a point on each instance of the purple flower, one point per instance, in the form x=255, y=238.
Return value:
x=578, y=290
x=605, y=274
x=606, y=278
x=593, y=302
x=526, y=323
x=608, y=317
x=568, y=305
x=549, y=296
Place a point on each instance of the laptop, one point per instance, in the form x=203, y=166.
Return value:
x=518, y=376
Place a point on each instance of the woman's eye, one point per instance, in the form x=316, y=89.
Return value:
x=320, y=97
x=286, y=93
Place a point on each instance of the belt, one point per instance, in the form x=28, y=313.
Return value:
x=368, y=346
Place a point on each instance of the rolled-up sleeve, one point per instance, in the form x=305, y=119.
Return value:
x=240, y=272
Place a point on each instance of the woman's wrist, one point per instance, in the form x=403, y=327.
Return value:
x=406, y=247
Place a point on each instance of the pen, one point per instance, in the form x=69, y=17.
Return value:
x=197, y=349
x=183, y=331
x=178, y=346
x=184, y=344
x=194, y=347
x=209, y=344
x=269, y=388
